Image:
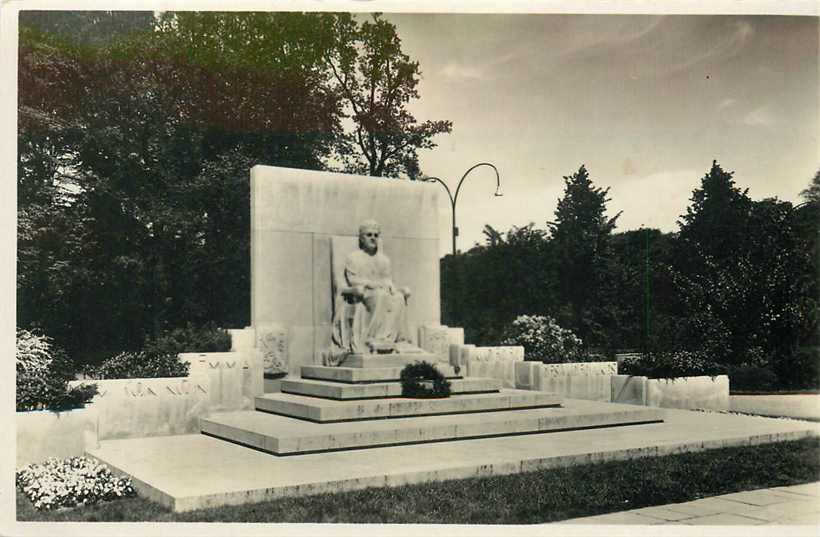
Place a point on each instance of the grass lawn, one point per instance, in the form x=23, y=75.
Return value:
x=531, y=498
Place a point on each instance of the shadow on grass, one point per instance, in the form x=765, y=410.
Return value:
x=535, y=497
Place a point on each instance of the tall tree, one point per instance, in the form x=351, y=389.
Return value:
x=580, y=236
x=377, y=81
x=716, y=223
x=133, y=169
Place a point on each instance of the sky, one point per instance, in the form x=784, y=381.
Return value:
x=645, y=102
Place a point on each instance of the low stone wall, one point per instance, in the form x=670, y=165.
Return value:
x=685, y=392
x=42, y=434
x=133, y=408
x=581, y=380
x=487, y=362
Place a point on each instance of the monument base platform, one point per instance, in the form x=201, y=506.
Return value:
x=191, y=472
x=388, y=360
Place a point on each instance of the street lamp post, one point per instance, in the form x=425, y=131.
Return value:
x=454, y=199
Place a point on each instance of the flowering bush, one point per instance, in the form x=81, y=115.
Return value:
x=71, y=482
x=131, y=365
x=670, y=365
x=43, y=372
x=543, y=340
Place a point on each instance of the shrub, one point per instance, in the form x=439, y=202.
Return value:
x=160, y=356
x=71, y=482
x=752, y=378
x=207, y=338
x=670, y=365
x=43, y=372
x=416, y=377
x=543, y=340
x=129, y=365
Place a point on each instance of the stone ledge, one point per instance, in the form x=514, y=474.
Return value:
x=281, y=435
x=326, y=411
x=337, y=390
x=358, y=375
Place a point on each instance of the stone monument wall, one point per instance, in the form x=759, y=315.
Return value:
x=295, y=214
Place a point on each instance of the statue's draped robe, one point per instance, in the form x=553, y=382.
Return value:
x=379, y=316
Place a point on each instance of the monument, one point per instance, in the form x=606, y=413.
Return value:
x=369, y=313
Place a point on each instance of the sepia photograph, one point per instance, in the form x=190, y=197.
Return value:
x=460, y=269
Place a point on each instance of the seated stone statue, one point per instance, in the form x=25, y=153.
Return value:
x=370, y=312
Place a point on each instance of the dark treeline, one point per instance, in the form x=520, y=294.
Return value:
x=136, y=136
x=737, y=282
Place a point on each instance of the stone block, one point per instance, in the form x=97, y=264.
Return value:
x=234, y=378
x=387, y=360
x=435, y=340
x=272, y=345
x=242, y=339
x=306, y=201
x=628, y=389
x=528, y=375
x=455, y=335
x=281, y=278
x=354, y=375
x=42, y=434
x=494, y=362
x=689, y=393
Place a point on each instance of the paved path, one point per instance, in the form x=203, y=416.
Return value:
x=795, y=505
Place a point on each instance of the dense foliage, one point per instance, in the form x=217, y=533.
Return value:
x=135, y=365
x=136, y=136
x=43, y=372
x=670, y=365
x=422, y=380
x=71, y=482
x=736, y=285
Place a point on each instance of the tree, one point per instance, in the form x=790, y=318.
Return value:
x=580, y=237
x=812, y=193
x=133, y=168
x=377, y=81
x=716, y=223
x=493, y=236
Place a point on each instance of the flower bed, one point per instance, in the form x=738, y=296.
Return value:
x=71, y=482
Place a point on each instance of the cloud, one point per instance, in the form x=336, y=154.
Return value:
x=455, y=71
x=759, y=117
x=726, y=103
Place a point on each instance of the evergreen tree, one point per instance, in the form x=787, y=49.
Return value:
x=580, y=236
x=716, y=223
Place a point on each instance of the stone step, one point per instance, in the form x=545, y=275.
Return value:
x=388, y=360
x=282, y=435
x=328, y=410
x=361, y=375
x=337, y=390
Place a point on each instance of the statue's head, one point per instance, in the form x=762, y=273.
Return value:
x=369, y=232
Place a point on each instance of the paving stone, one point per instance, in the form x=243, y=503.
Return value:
x=662, y=513
x=806, y=489
x=722, y=519
x=694, y=508
x=626, y=518
x=755, y=497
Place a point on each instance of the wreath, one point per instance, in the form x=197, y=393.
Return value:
x=422, y=380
